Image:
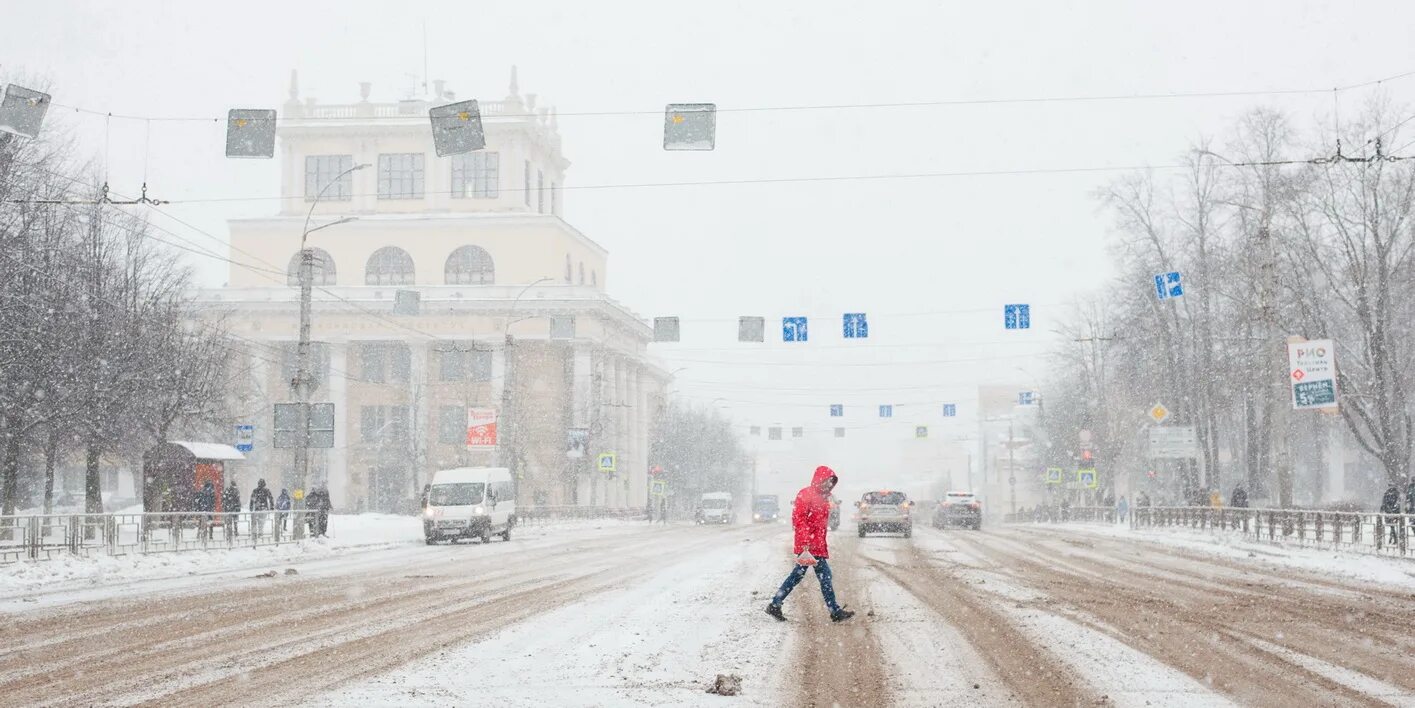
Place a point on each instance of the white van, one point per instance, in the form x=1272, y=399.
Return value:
x=470, y=502
x=715, y=508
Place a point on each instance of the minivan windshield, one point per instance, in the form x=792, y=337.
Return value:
x=456, y=494
x=714, y=503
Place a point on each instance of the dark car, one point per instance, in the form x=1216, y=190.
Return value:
x=959, y=509
x=766, y=508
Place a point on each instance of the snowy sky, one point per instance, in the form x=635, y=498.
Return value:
x=884, y=246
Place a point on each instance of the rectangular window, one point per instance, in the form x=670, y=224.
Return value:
x=383, y=424
x=540, y=192
x=372, y=421
x=320, y=171
x=383, y=362
x=457, y=361
x=452, y=425
x=527, y=190
x=476, y=175
x=400, y=176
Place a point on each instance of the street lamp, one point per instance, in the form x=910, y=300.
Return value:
x=507, y=455
x=302, y=353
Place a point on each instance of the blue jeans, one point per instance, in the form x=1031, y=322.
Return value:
x=822, y=574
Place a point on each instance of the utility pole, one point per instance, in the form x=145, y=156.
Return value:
x=304, y=378
x=1277, y=401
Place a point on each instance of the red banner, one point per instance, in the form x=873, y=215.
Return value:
x=481, y=428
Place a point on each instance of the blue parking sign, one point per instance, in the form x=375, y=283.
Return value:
x=1168, y=285
x=950, y=410
x=1017, y=316
x=793, y=329
x=837, y=410
x=855, y=326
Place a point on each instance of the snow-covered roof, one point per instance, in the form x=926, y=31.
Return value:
x=210, y=451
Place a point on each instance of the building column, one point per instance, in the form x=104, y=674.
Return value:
x=422, y=420
x=621, y=417
x=341, y=491
x=638, y=479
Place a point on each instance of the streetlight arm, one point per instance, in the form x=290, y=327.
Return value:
x=344, y=220
x=320, y=196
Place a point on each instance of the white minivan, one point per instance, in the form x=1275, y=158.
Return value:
x=470, y=502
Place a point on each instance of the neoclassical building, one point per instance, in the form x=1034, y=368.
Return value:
x=481, y=240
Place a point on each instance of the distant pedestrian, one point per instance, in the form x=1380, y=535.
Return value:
x=810, y=514
x=231, y=508
x=1122, y=508
x=319, y=506
x=1239, y=498
x=282, y=508
x=205, y=504
x=663, y=510
x=261, y=503
x=1390, y=505
x=1410, y=496
x=1215, y=499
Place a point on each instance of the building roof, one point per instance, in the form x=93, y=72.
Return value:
x=209, y=451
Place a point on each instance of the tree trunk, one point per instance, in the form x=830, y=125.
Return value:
x=51, y=455
x=10, y=465
x=93, y=489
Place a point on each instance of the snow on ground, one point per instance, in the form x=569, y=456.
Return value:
x=1345, y=564
x=65, y=578
x=654, y=641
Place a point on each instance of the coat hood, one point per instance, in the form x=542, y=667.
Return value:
x=823, y=473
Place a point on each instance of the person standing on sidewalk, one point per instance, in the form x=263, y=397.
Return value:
x=809, y=516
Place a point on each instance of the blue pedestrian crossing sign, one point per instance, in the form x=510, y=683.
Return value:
x=793, y=329
x=607, y=462
x=1017, y=316
x=1086, y=478
x=1053, y=475
x=886, y=411
x=837, y=410
x=950, y=410
x=1168, y=285
x=855, y=326
x=1026, y=398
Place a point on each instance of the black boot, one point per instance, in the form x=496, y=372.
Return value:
x=775, y=611
x=841, y=615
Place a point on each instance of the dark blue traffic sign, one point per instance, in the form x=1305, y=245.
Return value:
x=950, y=410
x=855, y=325
x=837, y=410
x=886, y=411
x=793, y=329
x=1017, y=316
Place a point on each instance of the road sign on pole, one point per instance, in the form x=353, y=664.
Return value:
x=751, y=329
x=886, y=411
x=690, y=126
x=1174, y=442
x=304, y=425
x=659, y=487
x=245, y=438
x=1158, y=413
x=606, y=462
x=837, y=410
x=1026, y=398
x=1053, y=475
x=250, y=132
x=1086, y=478
x=950, y=410
x=1313, y=374
x=921, y=431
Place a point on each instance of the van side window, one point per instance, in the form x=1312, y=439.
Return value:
x=505, y=491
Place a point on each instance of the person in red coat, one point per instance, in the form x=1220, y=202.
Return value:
x=809, y=516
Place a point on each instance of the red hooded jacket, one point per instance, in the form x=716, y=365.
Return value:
x=811, y=514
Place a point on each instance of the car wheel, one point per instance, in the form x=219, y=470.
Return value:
x=506, y=535
x=486, y=534
x=431, y=541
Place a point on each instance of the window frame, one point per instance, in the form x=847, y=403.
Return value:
x=404, y=170
x=323, y=175
x=476, y=175
x=384, y=276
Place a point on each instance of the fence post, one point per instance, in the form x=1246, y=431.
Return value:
x=35, y=525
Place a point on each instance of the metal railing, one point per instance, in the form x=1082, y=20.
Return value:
x=1363, y=532
x=42, y=536
x=548, y=513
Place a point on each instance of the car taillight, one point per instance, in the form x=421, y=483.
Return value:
x=975, y=505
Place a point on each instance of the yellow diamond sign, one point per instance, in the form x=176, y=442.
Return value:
x=1159, y=413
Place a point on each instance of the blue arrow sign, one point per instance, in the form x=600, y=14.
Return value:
x=793, y=329
x=1026, y=398
x=950, y=410
x=1017, y=316
x=1168, y=285
x=855, y=326
x=837, y=410
x=886, y=411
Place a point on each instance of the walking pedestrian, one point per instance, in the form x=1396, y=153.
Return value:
x=1239, y=498
x=231, y=509
x=319, y=506
x=261, y=504
x=205, y=505
x=663, y=510
x=809, y=515
x=282, y=508
x=1122, y=508
x=1390, y=505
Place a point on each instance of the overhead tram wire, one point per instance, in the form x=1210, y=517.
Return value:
x=1149, y=96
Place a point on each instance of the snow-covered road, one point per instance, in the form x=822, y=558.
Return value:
x=629, y=614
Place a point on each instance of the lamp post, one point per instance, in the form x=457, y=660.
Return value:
x=504, y=449
x=303, y=375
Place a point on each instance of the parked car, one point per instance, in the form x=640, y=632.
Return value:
x=885, y=511
x=470, y=502
x=959, y=509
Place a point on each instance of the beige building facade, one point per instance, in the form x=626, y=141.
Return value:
x=457, y=284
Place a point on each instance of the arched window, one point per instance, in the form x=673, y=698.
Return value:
x=389, y=265
x=569, y=277
x=322, y=270
x=470, y=265
x=582, y=272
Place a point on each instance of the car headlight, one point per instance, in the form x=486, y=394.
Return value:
x=432, y=513
x=479, y=511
